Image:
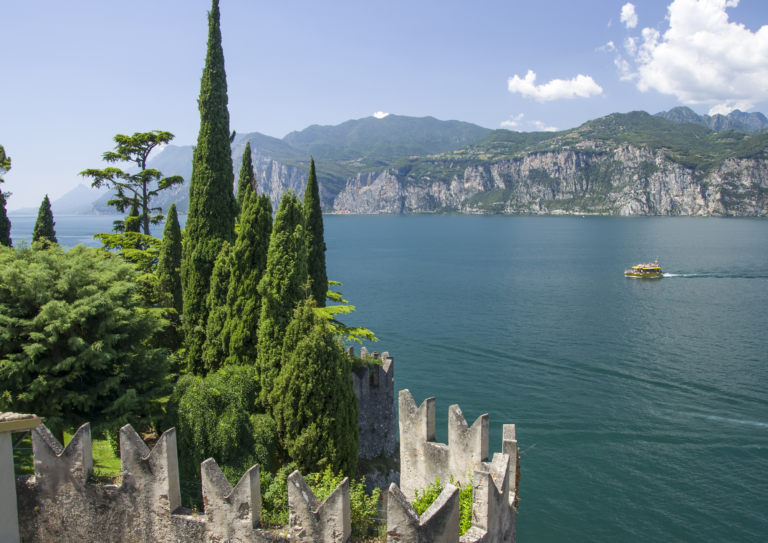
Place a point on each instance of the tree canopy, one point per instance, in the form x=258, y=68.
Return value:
x=281, y=287
x=248, y=266
x=247, y=178
x=168, y=286
x=315, y=238
x=5, y=223
x=312, y=401
x=74, y=339
x=135, y=188
x=212, y=204
x=216, y=346
x=43, y=230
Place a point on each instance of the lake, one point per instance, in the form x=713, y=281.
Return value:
x=641, y=405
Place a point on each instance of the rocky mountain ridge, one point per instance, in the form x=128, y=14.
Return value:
x=735, y=120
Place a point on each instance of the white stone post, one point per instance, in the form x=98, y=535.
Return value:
x=9, y=516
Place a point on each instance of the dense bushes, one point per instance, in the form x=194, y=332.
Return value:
x=427, y=496
x=74, y=339
x=215, y=417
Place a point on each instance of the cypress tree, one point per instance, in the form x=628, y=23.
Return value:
x=168, y=273
x=248, y=266
x=246, y=176
x=281, y=287
x=315, y=238
x=212, y=204
x=216, y=346
x=44, y=224
x=313, y=403
x=5, y=223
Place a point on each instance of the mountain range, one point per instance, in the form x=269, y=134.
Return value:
x=673, y=163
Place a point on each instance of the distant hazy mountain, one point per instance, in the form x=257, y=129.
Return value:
x=735, y=120
x=77, y=201
x=393, y=136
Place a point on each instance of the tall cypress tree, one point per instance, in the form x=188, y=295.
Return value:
x=315, y=238
x=281, y=288
x=212, y=204
x=246, y=176
x=313, y=403
x=216, y=346
x=248, y=266
x=5, y=223
x=168, y=273
x=44, y=224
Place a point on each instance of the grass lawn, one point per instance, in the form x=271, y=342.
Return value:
x=106, y=466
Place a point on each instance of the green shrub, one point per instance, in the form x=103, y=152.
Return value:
x=274, y=497
x=75, y=340
x=427, y=496
x=215, y=417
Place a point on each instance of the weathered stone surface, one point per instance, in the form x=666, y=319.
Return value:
x=438, y=524
x=422, y=460
x=626, y=181
x=232, y=514
x=375, y=391
x=327, y=522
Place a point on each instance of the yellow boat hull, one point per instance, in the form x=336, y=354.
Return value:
x=645, y=275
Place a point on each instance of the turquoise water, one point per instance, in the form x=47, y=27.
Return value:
x=641, y=405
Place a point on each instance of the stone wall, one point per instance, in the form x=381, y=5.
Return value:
x=375, y=391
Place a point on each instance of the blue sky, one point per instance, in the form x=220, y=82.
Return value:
x=76, y=74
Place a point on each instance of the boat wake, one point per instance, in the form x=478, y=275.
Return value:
x=718, y=275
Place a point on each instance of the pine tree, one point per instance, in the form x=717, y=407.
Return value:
x=315, y=238
x=212, y=204
x=5, y=223
x=75, y=340
x=249, y=264
x=44, y=224
x=168, y=273
x=281, y=288
x=246, y=176
x=216, y=346
x=313, y=403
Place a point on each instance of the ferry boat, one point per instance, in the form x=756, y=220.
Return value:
x=648, y=270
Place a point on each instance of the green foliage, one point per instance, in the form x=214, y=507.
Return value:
x=140, y=250
x=131, y=223
x=363, y=508
x=281, y=287
x=248, y=266
x=5, y=223
x=425, y=497
x=216, y=346
x=246, y=176
x=134, y=189
x=274, y=498
x=74, y=339
x=344, y=332
x=315, y=238
x=44, y=231
x=168, y=285
x=212, y=205
x=313, y=403
x=214, y=417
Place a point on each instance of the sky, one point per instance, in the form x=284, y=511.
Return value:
x=75, y=74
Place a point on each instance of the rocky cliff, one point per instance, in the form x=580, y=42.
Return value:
x=627, y=180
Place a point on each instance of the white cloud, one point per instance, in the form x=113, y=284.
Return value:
x=703, y=58
x=380, y=114
x=608, y=47
x=581, y=85
x=628, y=15
x=513, y=121
x=543, y=126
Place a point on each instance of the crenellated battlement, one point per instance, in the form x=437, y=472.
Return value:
x=310, y=521
x=58, y=503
